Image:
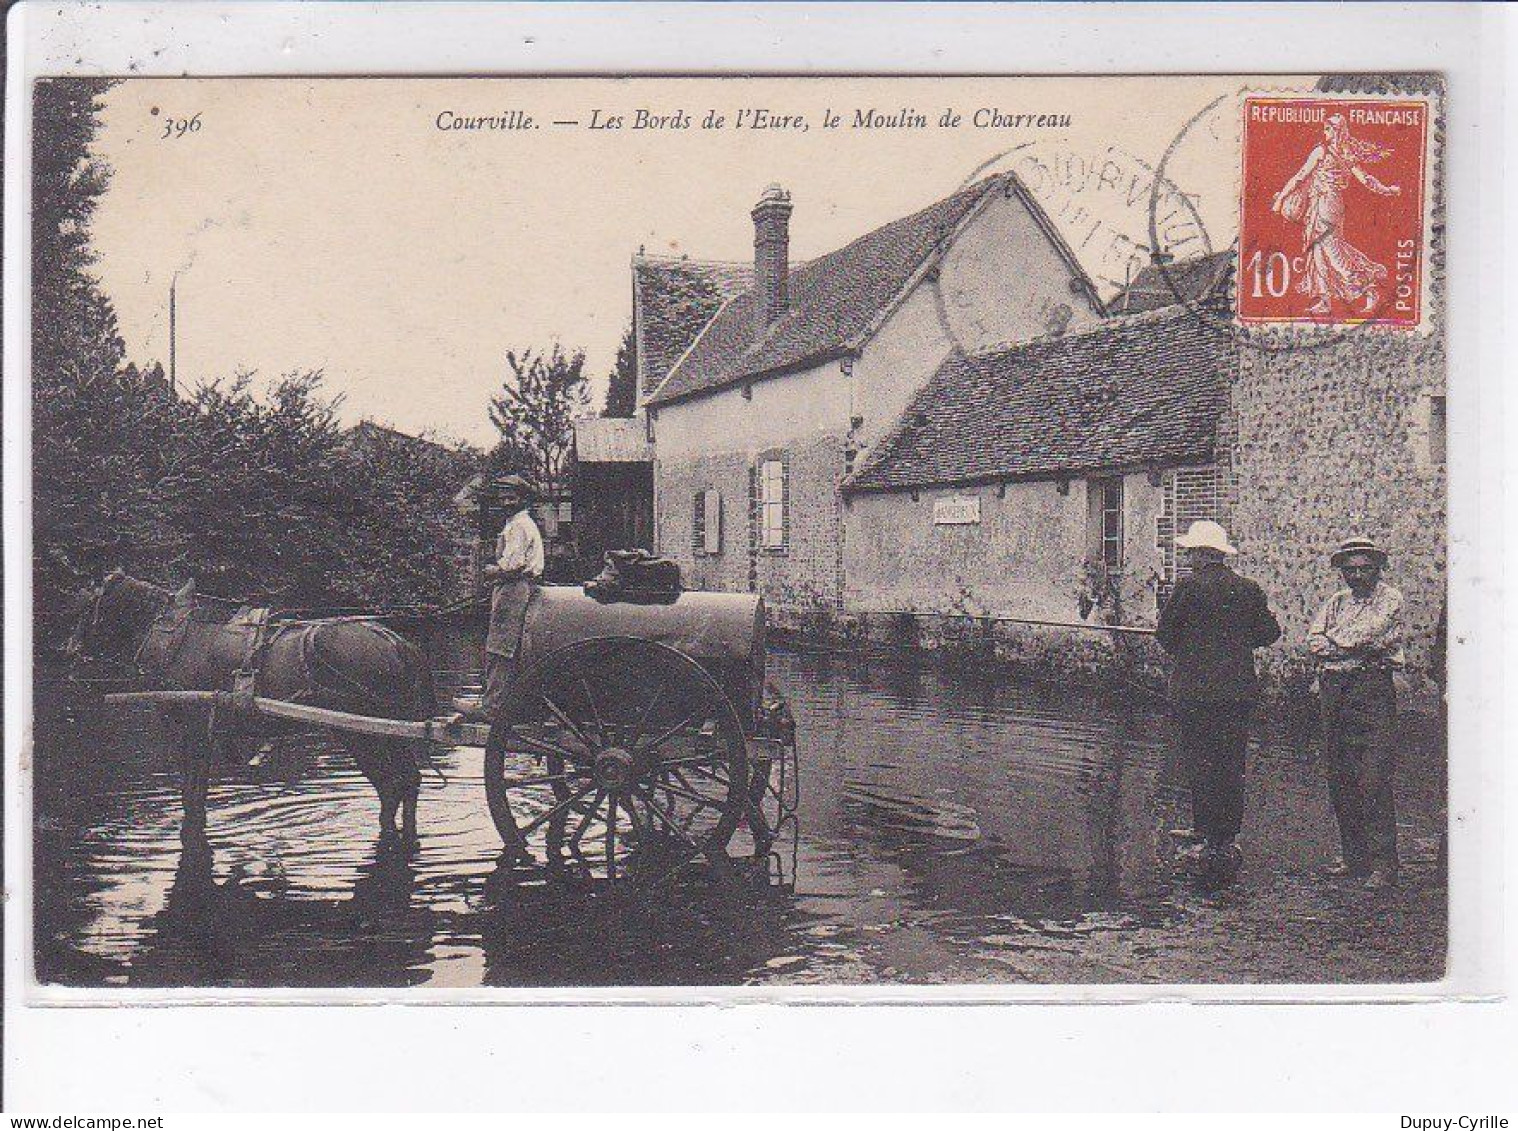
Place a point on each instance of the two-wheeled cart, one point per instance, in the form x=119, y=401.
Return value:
x=638, y=737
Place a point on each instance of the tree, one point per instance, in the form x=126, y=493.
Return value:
x=94, y=434
x=622, y=382
x=74, y=334
x=257, y=495
x=535, y=413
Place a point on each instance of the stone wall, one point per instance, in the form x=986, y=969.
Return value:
x=1338, y=440
x=1025, y=558
x=800, y=580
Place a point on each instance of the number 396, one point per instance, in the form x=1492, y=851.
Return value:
x=178, y=127
x=1272, y=274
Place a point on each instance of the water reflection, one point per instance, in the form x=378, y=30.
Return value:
x=955, y=827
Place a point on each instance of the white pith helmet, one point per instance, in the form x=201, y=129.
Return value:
x=1205, y=534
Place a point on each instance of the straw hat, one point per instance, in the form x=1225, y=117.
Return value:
x=1206, y=535
x=511, y=485
x=1357, y=545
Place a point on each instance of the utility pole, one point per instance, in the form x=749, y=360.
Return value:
x=173, y=378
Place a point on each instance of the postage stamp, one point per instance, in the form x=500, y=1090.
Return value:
x=1331, y=225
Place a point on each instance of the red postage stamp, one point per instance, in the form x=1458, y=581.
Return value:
x=1331, y=225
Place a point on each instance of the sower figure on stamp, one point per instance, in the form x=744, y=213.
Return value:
x=1211, y=626
x=514, y=574
x=1357, y=640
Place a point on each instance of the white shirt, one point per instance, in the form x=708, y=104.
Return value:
x=1349, y=634
x=519, y=547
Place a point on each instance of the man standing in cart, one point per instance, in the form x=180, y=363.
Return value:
x=513, y=573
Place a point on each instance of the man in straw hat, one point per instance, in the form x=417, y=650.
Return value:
x=1211, y=626
x=515, y=570
x=1357, y=640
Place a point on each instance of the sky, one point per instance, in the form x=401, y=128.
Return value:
x=332, y=224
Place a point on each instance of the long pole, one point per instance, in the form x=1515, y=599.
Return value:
x=1121, y=629
x=173, y=377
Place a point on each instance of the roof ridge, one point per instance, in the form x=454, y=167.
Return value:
x=675, y=366
x=1112, y=322
x=646, y=257
x=1169, y=388
x=976, y=192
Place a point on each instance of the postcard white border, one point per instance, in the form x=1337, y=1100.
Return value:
x=173, y=1056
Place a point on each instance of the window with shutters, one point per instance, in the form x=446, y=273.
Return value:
x=711, y=506
x=772, y=504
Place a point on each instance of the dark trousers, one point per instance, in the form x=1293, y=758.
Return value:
x=1212, y=735
x=1359, y=759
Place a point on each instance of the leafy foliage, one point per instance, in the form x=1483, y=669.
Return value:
x=622, y=382
x=257, y=494
x=535, y=413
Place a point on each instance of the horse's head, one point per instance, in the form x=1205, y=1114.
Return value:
x=111, y=617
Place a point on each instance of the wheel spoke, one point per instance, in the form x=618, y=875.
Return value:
x=689, y=795
x=635, y=823
x=543, y=746
x=568, y=723
x=655, y=743
x=648, y=709
x=559, y=808
x=580, y=829
x=542, y=779
x=692, y=811
x=595, y=715
x=658, y=809
x=692, y=760
x=702, y=770
x=611, y=840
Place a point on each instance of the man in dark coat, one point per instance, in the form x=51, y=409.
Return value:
x=1211, y=626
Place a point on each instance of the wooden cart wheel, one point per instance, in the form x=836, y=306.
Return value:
x=615, y=760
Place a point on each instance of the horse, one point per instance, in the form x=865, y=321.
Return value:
x=348, y=664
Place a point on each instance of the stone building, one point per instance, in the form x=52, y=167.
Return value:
x=800, y=374
x=944, y=417
x=1046, y=481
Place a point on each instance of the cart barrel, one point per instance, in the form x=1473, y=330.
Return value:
x=723, y=632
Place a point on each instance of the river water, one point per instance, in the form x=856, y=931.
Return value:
x=955, y=828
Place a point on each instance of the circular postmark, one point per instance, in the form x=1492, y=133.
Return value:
x=1139, y=237
x=1093, y=206
x=1320, y=265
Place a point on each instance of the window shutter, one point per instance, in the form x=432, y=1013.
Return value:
x=785, y=503
x=712, y=521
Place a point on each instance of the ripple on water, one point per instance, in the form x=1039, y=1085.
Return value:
x=941, y=817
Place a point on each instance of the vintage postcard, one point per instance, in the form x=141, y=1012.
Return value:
x=717, y=532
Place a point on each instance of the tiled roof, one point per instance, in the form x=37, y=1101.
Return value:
x=835, y=300
x=674, y=299
x=1186, y=281
x=610, y=439
x=1136, y=391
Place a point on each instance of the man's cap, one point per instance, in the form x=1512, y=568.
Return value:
x=513, y=484
x=1205, y=534
x=1357, y=545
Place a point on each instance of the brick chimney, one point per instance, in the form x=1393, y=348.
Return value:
x=772, y=254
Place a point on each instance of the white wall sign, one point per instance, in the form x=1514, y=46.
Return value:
x=958, y=511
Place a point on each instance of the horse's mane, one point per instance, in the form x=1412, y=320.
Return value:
x=138, y=597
